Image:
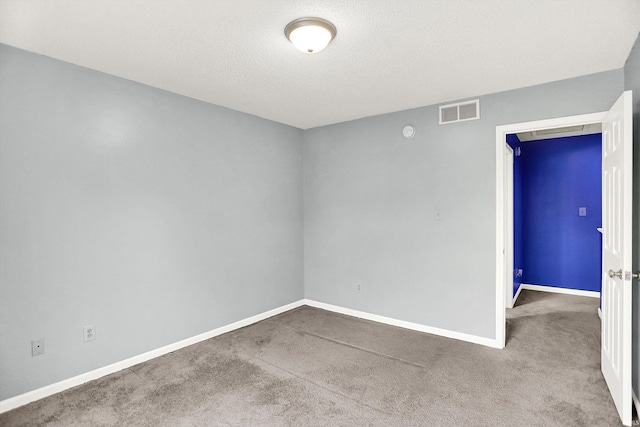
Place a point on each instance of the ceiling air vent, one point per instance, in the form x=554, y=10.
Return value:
x=460, y=112
x=537, y=135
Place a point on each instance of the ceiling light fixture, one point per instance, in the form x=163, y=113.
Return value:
x=310, y=35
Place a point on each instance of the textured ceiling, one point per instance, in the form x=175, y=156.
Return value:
x=389, y=55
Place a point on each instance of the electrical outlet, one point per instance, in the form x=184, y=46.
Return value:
x=518, y=272
x=358, y=287
x=89, y=333
x=37, y=347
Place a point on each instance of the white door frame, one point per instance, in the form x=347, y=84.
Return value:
x=508, y=225
x=501, y=140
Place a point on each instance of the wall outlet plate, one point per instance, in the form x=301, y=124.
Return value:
x=37, y=347
x=89, y=333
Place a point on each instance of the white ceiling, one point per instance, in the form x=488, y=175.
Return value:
x=388, y=55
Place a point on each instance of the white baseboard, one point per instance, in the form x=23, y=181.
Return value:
x=404, y=324
x=515, y=297
x=600, y=313
x=578, y=292
x=31, y=396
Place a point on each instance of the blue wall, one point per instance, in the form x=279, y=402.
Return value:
x=559, y=247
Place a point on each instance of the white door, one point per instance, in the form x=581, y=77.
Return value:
x=616, y=253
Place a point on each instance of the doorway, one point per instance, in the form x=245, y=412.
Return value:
x=557, y=208
x=617, y=250
x=502, y=199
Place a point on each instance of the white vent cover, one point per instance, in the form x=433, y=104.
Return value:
x=460, y=112
x=536, y=135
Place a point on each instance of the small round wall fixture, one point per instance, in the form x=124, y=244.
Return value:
x=408, y=131
x=310, y=35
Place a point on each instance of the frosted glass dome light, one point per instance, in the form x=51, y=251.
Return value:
x=310, y=35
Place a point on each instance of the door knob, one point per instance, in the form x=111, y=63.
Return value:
x=615, y=273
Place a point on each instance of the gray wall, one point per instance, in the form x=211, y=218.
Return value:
x=632, y=82
x=370, y=202
x=154, y=216
x=157, y=217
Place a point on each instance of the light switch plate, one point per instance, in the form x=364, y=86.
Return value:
x=582, y=211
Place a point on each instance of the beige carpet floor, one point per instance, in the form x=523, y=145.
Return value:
x=310, y=367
